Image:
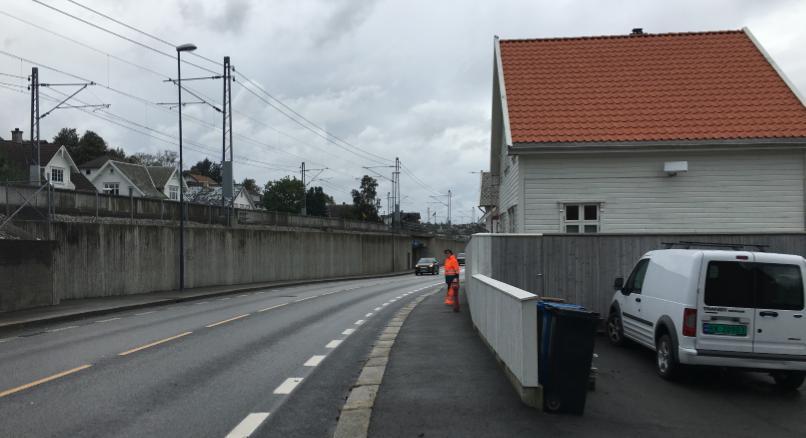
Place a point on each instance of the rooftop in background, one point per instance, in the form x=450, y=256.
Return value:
x=647, y=87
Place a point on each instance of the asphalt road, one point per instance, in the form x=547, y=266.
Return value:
x=279, y=362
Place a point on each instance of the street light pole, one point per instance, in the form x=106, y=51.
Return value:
x=179, y=50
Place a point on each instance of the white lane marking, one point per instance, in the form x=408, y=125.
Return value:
x=385, y=304
x=224, y=299
x=376, y=309
x=61, y=329
x=348, y=332
x=201, y=302
x=107, y=320
x=145, y=313
x=261, y=292
x=359, y=322
x=7, y=339
x=288, y=385
x=244, y=295
x=272, y=307
x=333, y=344
x=368, y=315
x=399, y=297
x=303, y=299
x=249, y=425
x=314, y=360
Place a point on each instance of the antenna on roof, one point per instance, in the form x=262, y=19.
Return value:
x=637, y=31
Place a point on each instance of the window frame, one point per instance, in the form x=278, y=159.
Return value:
x=173, y=193
x=53, y=170
x=112, y=188
x=642, y=264
x=580, y=222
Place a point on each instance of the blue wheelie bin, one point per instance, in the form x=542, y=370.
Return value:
x=565, y=352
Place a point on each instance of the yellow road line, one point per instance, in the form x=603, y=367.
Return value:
x=44, y=380
x=227, y=320
x=161, y=341
x=273, y=307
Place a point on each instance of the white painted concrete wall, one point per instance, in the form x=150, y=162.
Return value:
x=750, y=191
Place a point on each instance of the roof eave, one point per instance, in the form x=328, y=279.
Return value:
x=655, y=146
x=775, y=66
x=502, y=91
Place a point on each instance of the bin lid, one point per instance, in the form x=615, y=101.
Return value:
x=567, y=306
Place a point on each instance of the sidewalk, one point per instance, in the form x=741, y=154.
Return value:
x=72, y=309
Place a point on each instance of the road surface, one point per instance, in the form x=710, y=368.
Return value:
x=275, y=362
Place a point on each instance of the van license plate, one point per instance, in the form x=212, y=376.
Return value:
x=724, y=329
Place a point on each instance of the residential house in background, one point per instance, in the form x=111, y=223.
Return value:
x=57, y=166
x=196, y=180
x=213, y=196
x=678, y=132
x=127, y=179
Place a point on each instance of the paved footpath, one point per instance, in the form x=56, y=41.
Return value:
x=442, y=381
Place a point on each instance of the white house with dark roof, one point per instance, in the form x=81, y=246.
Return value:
x=680, y=132
x=57, y=166
x=128, y=179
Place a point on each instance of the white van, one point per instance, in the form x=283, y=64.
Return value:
x=720, y=308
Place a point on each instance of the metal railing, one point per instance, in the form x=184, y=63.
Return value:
x=27, y=201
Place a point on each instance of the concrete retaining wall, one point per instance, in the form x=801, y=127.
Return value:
x=581, y=268
x=26, y=274
x=108, y=259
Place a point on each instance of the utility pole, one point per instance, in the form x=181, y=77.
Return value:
x=396, y=217
x=227, y=189
x=450, y=198
x=34, y=172
x=428, y=215
x=304, y=195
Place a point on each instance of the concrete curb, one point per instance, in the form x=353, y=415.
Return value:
x=357, y=410
x=164, y=301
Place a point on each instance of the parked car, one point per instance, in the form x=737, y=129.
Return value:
x=427, y=264
x=460, y=258
x=719, y=308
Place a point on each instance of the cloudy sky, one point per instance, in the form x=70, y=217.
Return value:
x=391, y=78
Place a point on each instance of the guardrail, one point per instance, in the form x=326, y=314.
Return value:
x=506, y=318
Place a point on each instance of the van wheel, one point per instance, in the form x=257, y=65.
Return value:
x=789, y=380
x=666, y=361
x=615, y=330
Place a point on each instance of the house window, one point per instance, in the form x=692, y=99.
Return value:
x=173, y=192
x=581, y=218
x=511, y=217
x=112, y=188
x=57, y=175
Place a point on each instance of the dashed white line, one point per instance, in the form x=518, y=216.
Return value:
x=224, y=299
x=273, y=307
x=399, y=297
x=376, y=309
x=314, y=360
x=385, y=304
x=359, y=322
x=145, y=313
x=348, y=332
x=333, y=344
x=249, y=425
x=201, y=302
x=244, y=295
x=368, y=315
x=60, y=329
x=288, y=385
x=303, y=299
x=107, y=320
x=7, y=339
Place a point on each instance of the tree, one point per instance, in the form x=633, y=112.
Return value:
x=284, y=195
x=364, y=203
x=67, y=137
x=317, y=201
x=165, y=159
x=250, y=185
x=208, y=168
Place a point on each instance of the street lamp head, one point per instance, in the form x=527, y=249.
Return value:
x=186, y=48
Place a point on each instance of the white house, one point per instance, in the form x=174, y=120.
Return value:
x=213, y=195
x=128, y=179
x=682, y=132
x=56, y=164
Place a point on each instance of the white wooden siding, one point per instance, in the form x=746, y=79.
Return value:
x=510, y=188
x=761, y=191
x=60, y=161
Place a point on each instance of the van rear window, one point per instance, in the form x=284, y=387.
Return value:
x=729, y=284
x=754, y=285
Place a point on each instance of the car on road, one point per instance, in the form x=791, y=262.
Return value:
x=717, y=308
x=460, y=258
x=427, y=264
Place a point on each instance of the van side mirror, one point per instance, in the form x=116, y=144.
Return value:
x=618, y=283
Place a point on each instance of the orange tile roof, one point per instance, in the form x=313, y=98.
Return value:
x=683, y=86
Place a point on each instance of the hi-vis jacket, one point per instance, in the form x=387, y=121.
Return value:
x=451, y=265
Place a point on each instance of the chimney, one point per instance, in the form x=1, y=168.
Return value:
x=16, y=135
x=637, y=31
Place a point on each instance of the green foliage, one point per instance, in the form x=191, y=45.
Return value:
x=284, y=195
x=87, y=147
x=250, y=185
x=318, y=201
x=208, y=168
x=364, y=200
x=67, y=137
x=165, y=159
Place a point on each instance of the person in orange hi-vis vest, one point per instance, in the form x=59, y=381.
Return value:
x=452, y=270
